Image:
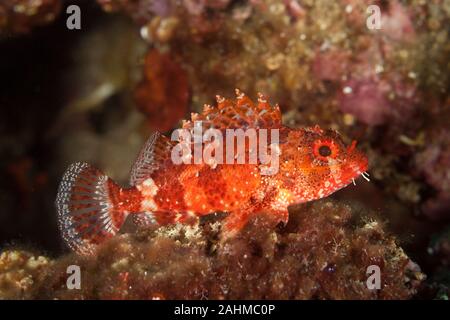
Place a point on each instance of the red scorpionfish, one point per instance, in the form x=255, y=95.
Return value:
x=313, y=163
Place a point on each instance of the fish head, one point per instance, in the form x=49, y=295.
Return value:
x=318, y=162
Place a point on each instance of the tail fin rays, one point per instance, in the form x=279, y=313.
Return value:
x=86, y=215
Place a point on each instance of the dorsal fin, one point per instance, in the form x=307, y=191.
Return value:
x=241, y=113
x=154, y=153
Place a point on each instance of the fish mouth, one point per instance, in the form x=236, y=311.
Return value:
x=356, y=167
x=360, y=168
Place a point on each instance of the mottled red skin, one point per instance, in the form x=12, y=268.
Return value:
x=313, y=163
x=185, y=191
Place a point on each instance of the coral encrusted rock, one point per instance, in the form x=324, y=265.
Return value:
x=322, y=253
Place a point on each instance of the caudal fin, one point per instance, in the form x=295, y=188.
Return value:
x=86, y=213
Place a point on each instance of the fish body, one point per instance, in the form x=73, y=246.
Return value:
x=311, y=163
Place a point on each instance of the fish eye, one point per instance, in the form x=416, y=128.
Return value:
x=324, y=151
x=325, y=148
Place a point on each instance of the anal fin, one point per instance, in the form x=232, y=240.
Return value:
x=144, y=219
x=148, y=219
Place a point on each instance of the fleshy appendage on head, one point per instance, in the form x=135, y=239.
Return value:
x=319, y=163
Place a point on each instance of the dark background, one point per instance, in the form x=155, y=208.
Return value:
x=33, y=88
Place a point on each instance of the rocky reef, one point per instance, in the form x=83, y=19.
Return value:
x=137, y=66
x=322, y=253
x=20, y=16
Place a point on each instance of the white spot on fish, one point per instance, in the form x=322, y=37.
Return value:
x=149, y=188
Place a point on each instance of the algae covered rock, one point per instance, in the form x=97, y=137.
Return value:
x=322, y=253
x=20, y=16
x=19, y=271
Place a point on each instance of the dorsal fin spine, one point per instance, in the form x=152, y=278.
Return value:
x=153, y=154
